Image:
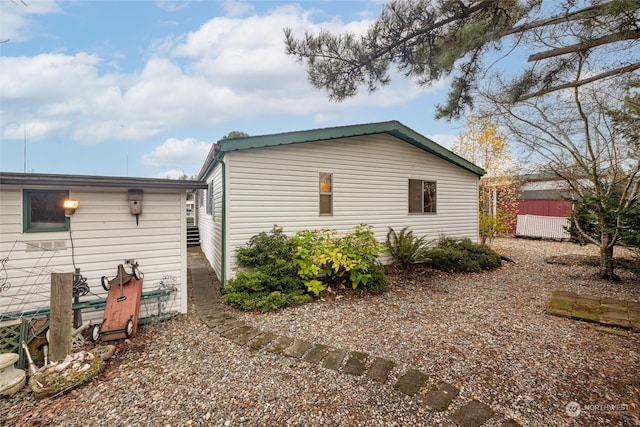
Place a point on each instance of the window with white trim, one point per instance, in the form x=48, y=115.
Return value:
x=210, y=202
x=326, y=193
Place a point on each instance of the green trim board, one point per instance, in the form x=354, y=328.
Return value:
x=393, y=128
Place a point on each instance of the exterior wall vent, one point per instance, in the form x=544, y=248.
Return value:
x=45, y=245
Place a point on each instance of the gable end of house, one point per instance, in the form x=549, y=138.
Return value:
x=393, y=127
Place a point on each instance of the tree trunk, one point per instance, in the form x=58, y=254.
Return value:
x=606, y=258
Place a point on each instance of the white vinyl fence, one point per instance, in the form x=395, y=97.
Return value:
x=546, y=227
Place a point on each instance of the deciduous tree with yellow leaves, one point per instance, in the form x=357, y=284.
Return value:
x=484, y=145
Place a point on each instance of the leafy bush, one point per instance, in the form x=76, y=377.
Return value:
x=265, y=248
x=405, y=248
x=351, y=258
x=462, y=256
x=273, y=280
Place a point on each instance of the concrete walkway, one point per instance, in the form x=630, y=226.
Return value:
x=204, y=291
x=602, y=310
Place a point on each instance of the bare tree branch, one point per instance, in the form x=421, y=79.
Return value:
x=577, y=83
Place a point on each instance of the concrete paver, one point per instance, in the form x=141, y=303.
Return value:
x=244, y=334
x=297, y=349
x=333, y=359
x=380, y=369
x=280, y=344
x=262, y=340
x=441, y=398
x=473, y=414
x=411, y=382
x=356, y=363
x=316, y=353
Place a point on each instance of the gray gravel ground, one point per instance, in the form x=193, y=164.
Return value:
x=486, y=333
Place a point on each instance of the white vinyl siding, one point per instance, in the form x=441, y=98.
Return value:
x=104, y=235
x=210, y=224
x=279, y=185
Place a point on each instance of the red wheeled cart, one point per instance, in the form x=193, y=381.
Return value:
x=123, y=305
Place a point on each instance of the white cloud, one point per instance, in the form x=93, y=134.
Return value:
x=446, y=140
x=37, y=130
x=177, y=152
x=237, y=8
x=172, y=6
x=229, y=69
x=172, y=174
x=15, y=20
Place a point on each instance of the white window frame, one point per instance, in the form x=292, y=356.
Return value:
x=324, y=193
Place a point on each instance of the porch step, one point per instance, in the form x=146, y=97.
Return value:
x=193, y=235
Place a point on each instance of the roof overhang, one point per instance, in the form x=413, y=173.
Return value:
x=59, y=180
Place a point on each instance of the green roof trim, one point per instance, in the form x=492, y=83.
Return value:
x=394, y=128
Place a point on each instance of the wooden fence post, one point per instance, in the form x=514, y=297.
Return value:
x=61, y=317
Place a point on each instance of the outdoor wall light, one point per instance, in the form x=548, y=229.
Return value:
x=70, y=207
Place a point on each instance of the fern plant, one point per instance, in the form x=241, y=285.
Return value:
x=405, y=248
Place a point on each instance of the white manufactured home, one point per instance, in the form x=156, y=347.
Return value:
x=115, y=219
x=382, y=174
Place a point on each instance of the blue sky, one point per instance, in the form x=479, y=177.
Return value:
x=143, y=88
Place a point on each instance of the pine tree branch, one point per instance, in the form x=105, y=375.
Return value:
x=610, y=38
x=586, y=13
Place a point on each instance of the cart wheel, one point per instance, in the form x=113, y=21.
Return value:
x=137, y=274
x=128, y=328
x=105, y=283
x=94, y=333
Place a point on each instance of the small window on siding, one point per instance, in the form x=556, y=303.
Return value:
x=209, y=202
x=43, y=211
x=422, y=196
x=201, y=197
x=326, y=193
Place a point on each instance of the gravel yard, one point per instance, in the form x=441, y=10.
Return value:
x=486, y=334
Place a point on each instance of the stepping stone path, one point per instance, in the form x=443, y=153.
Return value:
x=210, y=308
x=602, y=310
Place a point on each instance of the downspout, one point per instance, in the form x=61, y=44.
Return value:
x=223, y=225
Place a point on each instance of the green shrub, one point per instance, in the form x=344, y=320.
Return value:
x=241, y=300
x=254, y=290
x=378, y=281
x=405, y=248
x=272, y=281
x=275, y=300
x=462, y=256
x=348, y=258
x=265, y=249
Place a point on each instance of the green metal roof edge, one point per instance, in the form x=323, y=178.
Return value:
x=394, y=128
